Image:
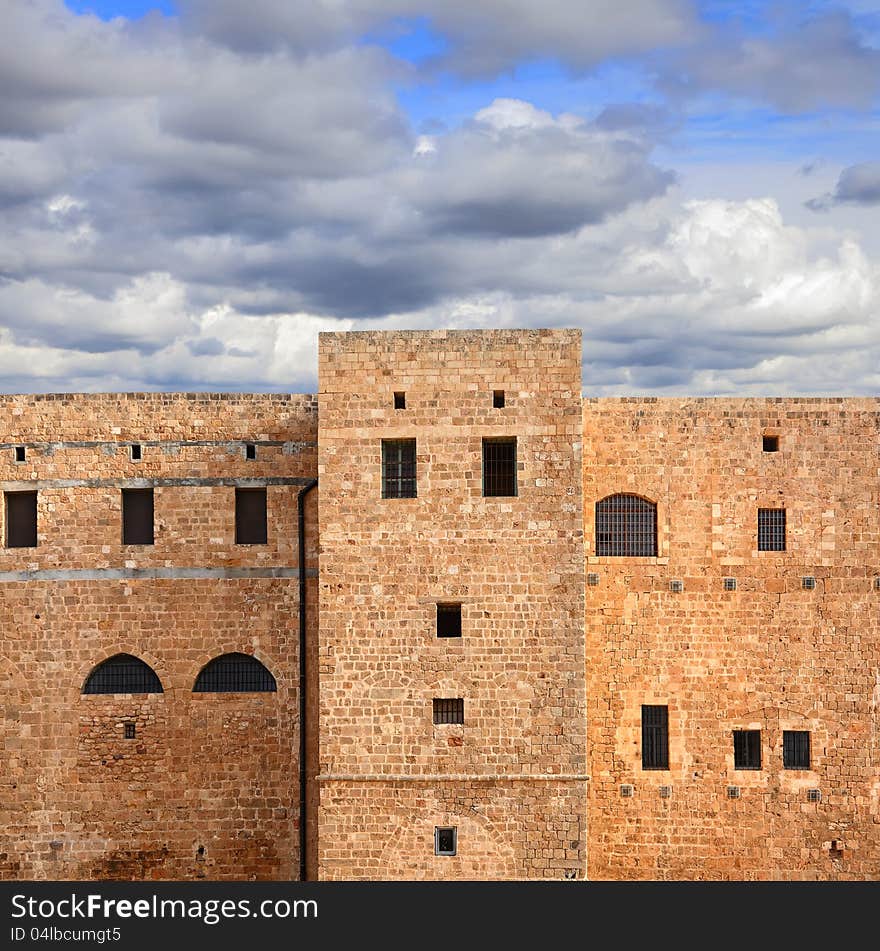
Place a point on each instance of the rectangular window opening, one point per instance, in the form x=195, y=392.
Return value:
x=771, y=529
x=796, y=749
x=135, y=450
x=21, y=519
x=655, y=737
x=129, y=731
x=499, y=467
x=448, y=620
x=137, y=517
x=250, y=517
x=445, y=840
x=20, y=453
x=400, y=400
x=498, y=399
x=746, y=749
x=398, y=468
x=771, y=444
x=447, y=710
x=250, y=450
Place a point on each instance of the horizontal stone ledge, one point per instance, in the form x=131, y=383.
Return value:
x=454, y=777
x=290, y=445
x=249, y=482
x=161, y=574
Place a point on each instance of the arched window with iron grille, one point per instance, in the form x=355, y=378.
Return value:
x=122, y=673
x=234, y=673
x=626, y=525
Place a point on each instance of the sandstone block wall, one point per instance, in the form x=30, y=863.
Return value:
x=208, y=788
x=511, y=778
x=769, y=656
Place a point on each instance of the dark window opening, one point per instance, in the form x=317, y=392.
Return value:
x=498, y=399
x=122, y=673
x=499, y=467
x=626, y=526
x=400, y=400
x=448, y=620
x=129, y=731
x=746, y=749
x=771, y=529
x=398, y=468
x=234, y=673
x=21, y=519
x=137, y=517
x=20, y=453
x=250, y=517
x=796, y=749
x=771, y=444
x=448, y=710
x=445, y=840
x=730, y=584
x=250, y=450
x=655, y=737
x=136, y=452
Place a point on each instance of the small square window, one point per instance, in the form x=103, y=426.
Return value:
x=448, y=620
x=814, y=795
x=746, y=749
x=733, y=792
x=730, y=584
x=592, y=578
x=250, y=517
x=136, y=453
x=498, y=399
x=400, y=400
x=770, y=444
x=676, y=586
x=626, y=790
x=499, y=467
x=250, y=450
x=666, y=792
x=448, y=710
x=771, y=529
x=808, y=583
x=20, y=453
x=796, y=749
x=129, y=731
x=445, y=840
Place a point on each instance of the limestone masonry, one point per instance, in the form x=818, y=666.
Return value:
x=511, y=632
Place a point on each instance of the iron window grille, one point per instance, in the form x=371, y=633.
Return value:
x=129, y=731
x=730, y=584
x=137, y=517
x=626, y=525
x=21, y=519
x=808, y=583
x=234, y=673
x=655, y=737
x=445, y=840
x=771, y=529
x=250, y=517
x=448, y=620
x=814, y=795
x=122, y=673
x=770, y=444
x=20, y=454
x=796, y=749
x=498, y=399
x=448, y=710
x=400, y=400
x=592, y=578
x=746, y=749
x=499, y=467
x=398, y=468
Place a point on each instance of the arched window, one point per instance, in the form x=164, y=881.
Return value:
x=626, y=525
x=122, y=673
x=234, y=673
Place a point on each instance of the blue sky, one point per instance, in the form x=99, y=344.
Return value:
x=192, y=190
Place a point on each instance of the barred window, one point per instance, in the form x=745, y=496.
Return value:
x=250, y=517
x=445, y=840
x=626, y=525
x=137, y=517
x=796, y=749
x=499, y=467
x=122, y=673
x=21, y=519
x=448, y=710
x=655, y=737
x=448, y=620
x=746, y=749
x=771, y=529
x=398, y=468
x=234, y=673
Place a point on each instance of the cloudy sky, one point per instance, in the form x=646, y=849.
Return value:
x=191, y=189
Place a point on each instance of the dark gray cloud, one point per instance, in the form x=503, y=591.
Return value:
x=857, y=185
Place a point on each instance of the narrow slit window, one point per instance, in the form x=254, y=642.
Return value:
x=136, y=452
x=400, y=400
x=250, y=517
x=771, y=529
x=448, y=620
x=770, y=444
x=398, y=468
x=655, y=737
x=20, y=454
x=498, y=399
x=499, y=467
x=250, y=450
x=21, y=519
x=746, y=749
x=626, y=526
x=796, y=749
x=445, y=840
x=448, y=710
x=137, y=517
